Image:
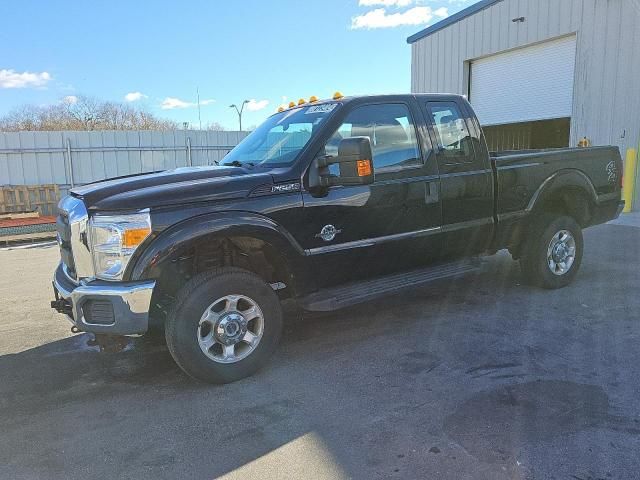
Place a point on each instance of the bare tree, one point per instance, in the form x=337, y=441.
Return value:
x=83, y=113
x=215, y=127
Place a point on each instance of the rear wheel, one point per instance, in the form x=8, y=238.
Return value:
x=224, y=326
x=553, y=251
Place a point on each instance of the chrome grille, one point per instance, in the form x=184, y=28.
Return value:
x=72, y=238
x=64, y=242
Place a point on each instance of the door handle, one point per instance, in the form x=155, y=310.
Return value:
x=431, y=193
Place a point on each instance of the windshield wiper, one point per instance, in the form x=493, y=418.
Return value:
x=236, y=163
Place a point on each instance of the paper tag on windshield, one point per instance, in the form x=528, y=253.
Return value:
x=324, y=108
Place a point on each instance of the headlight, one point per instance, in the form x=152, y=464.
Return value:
x=113, y=239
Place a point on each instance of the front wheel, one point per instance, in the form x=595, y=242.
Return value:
x=224, y=325
x=553, y=252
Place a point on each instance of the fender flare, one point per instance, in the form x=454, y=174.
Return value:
x=170, y=241
x=562, y=179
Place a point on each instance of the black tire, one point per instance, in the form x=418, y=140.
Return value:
x=534, y=262
x=192, y=301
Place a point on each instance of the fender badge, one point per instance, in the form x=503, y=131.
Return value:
x=328, y=233
x=285, y=187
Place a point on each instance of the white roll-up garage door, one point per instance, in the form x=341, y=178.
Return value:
x=528, y=84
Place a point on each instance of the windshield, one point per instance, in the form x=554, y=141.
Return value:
x=279, y=140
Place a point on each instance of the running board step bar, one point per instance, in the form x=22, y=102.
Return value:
x=354, y=293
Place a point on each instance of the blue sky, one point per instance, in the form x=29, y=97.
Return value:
x=159, y=52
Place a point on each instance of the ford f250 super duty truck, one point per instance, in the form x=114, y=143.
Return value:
x=328, y=204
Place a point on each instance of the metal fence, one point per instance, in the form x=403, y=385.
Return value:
x=71, y=158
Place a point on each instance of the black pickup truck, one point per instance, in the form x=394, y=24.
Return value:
x=326, y=204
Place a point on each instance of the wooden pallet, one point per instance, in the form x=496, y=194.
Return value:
x=29, y=198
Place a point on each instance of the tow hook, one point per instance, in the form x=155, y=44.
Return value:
x=109, y=343
x=61, y=305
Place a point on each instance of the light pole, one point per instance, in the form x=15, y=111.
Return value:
x=199, y=117
x=239, y=111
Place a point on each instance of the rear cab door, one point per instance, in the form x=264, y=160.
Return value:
x=390, y=225
x=466, y=176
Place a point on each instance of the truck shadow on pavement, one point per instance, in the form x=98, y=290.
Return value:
x=58, y=367
x=55, y=367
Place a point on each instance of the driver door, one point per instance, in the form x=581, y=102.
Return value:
x=357, y=232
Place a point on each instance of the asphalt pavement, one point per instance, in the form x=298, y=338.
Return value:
x=475, y=378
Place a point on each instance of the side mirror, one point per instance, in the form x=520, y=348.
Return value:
x=356, y=165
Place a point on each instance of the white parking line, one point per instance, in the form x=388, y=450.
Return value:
x=30, y=245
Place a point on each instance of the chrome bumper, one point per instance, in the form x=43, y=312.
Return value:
x=130, y=303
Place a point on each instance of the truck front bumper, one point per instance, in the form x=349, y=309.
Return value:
x=117, y=308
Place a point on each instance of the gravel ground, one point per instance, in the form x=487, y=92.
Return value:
x=477, y=378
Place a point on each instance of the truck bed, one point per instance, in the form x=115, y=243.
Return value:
x=522, y=176
x=519, y=174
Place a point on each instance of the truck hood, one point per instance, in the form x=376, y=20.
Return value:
x=171, y=187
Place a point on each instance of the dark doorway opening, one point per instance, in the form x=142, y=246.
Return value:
x=527, y=135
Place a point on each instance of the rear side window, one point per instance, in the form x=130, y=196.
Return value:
x=391, y=131
x=451, y=129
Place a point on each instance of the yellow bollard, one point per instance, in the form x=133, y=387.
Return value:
x=629, y=179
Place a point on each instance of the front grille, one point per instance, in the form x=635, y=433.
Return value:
x=64, y=242
x=98, y=312
x=72, y=237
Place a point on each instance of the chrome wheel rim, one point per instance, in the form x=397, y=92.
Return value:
x=561, y=252
x=230, y=329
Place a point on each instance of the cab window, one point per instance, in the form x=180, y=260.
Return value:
x=391, y=131
x=452, y=132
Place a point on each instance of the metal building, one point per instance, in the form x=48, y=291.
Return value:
x=540, y=73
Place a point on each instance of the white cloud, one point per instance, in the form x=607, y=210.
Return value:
x=442, y=12
x=134, y=96
x=255, y=105
x=379, y=18
x=70, y=99
x=386, y=3
x=12, y=79
x=170, y=103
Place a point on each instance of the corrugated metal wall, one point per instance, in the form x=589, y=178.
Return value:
x=606, y=106
x=37, y=158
